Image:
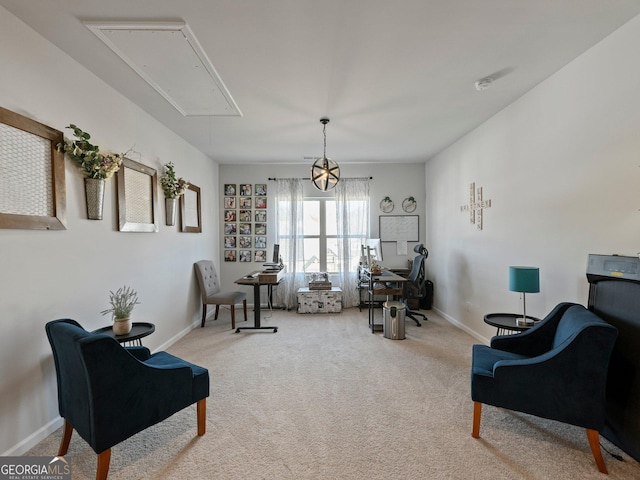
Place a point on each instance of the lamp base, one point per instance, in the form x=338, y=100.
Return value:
x=524, y=322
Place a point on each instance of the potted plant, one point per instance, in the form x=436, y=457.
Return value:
x=95, y=166
x=173, y=187
x=122, y=303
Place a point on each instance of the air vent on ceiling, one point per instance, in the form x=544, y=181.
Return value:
x=171, y=60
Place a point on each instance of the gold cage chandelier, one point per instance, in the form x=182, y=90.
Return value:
x=325, y=173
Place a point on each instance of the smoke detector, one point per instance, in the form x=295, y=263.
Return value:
x=484, y=83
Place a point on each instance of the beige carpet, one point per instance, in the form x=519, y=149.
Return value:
x=324, y=398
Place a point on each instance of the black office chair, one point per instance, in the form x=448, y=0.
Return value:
x=416, y=287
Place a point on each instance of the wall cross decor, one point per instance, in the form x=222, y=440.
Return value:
x=476, y=205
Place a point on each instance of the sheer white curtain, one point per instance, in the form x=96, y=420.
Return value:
x=289, y=235
x=352, y=208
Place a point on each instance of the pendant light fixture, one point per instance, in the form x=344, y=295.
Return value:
x=325, y=173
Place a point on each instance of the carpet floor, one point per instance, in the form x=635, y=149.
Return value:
x=324, y=398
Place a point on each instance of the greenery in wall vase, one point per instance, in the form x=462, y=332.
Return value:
x=91, y=162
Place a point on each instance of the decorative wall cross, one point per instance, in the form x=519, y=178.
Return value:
x=476, y=205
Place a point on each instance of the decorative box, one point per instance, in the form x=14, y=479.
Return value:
x=320, y=301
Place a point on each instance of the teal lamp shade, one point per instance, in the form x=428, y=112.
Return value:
x=524, y=279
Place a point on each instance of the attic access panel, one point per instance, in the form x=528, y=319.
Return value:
x=170, y=59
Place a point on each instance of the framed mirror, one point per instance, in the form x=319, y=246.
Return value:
x=137, y=197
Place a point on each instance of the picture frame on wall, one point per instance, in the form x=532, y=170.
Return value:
x=260, y=242
x=245, y=229
x=32, y=176
x=229, y=215
x=245, y=255
x=229, y=202
x=137, y=197
x=261, y=190
x=229, y=241
x=260, y=256
x=245, y=189
x=244, y=216
x=229, y=255
x=245, y=202
x=260, y=229
x=230, y=229
x=261, y=202
x=230, y=189
x=244, y=241
x=261, y=216
x=190, y=213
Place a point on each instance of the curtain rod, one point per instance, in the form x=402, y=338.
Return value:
x=307, y=178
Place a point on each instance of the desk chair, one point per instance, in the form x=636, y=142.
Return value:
x=211, y=294
x=416, y=287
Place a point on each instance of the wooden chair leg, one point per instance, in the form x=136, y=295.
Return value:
x=202, y=416
x=215, y=317
x=244, y=307
x=103, y=464
x=204, y=314
x=594, y=442
x=477, y=413
x=66, y=438
x=233, y=317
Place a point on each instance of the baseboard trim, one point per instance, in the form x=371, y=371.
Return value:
x=35, y=438
x=462, y=326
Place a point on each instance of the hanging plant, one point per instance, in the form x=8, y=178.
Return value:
x=87, y=156
x=172, y=186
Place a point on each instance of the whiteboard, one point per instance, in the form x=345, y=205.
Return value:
x=399, y=227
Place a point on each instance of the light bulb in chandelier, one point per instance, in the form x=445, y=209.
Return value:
x=325, y=173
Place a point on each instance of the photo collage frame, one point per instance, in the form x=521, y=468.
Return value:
x=245, y=222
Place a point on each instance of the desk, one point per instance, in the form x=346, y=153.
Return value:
x=391, y=285
x=138, y=331
x=256, y=280
x=506, y=322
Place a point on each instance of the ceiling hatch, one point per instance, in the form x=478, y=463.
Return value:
x=169, y=57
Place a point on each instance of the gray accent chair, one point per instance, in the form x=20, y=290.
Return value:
x=211, y=294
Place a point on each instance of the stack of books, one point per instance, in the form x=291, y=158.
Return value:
x=319, y=281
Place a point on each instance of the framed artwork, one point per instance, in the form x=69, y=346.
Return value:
x=245, y=216
x=229, y=255
x=245, y=189
x=245, y=202
x=229, y=202
x=230, y=229
x=245, y=229
x=244, y=241
x=32, y=183
x=229, y=241
x=261, y=190
x=245, y=255
x=260, y=242
x=261, y=202
x=137, y=197
x=261, y=229
x=260, y=256
x=229, y=215
x=190, y=214
x=261, y=216
x=230, y=189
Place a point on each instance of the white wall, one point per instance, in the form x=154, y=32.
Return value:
x=48, y=275
x=561, y=167
x=397, y=181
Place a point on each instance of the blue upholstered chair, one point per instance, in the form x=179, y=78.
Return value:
x=555, y=370
x=108, y=393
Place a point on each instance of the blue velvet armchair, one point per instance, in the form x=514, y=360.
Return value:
x=555, y=370
x=108, y=393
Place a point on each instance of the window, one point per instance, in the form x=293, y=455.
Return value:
x=321, y=241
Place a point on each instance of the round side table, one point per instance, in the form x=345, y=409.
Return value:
x=506, y=322
x=138, y=331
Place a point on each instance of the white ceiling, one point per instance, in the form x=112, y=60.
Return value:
x=396, y=78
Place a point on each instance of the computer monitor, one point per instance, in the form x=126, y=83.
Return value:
x=373, y=250
x=276, y=253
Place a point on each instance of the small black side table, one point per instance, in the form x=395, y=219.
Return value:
x=138, y=331
x=506, y=322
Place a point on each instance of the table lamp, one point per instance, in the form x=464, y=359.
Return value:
x=524, y=280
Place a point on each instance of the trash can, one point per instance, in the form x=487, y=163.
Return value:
x=393, y=320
